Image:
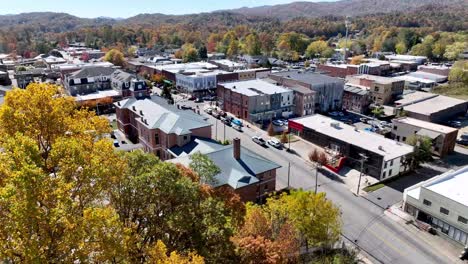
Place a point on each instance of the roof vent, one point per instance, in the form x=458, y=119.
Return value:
x=118, y=103
x=381, y=148
x=335, y=124
x=141, y=112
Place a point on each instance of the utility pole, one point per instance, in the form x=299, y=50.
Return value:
x=289, y=172
x=289, y=141
x=216, y=128
x=224, y=134
x=316, y=177
x=346, y=40
x=363, y=159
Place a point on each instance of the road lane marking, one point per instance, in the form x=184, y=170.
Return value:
x=388, y=243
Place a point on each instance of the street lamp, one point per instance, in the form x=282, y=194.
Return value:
x=364, y=158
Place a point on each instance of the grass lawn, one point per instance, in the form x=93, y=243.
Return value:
x=114, y=124
x=293, y=138
x=373, y=188
x=459, y=91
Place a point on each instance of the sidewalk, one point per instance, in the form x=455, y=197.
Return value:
x=444, y=246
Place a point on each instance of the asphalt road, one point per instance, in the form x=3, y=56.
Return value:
x=381, y=239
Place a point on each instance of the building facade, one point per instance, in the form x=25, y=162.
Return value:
x=443, y=138
x=159, y=126
x=384, y=158
x=442, y=203
x=382, y=90
x=255, y=100
x=328, y=90
x=356, y=99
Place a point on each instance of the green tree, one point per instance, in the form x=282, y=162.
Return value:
x=400, y=48
x=233, y=49
x=316, y=49
x=205, y=168
x=252, y=44
x=453, y=51
x=422, y=149
x=459, y=73
x=378, y=111
x=190, y=54
x=115, y=57
x=203, y=53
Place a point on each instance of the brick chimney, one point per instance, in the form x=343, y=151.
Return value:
x=236, y=148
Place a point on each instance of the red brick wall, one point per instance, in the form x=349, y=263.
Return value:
x=204, y=132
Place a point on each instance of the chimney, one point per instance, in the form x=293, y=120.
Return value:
x=236, y=148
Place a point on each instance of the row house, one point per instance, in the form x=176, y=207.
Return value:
x=158, y=126
x=382, y=90
x=356, y=98
x=256, y=100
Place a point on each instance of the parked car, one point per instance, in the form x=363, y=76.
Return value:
x=259, y=140
x=462, y=141
x=454, y=123
x=238, y=128
x=277, y=123
x=384, y=123
x=198, y=100
x=116, y=143
x=192, y=97
x=274, y=142
x=215, y=114
x=184, y=107
x=208, y=110
x=209, y=98
x=364, y=120
x=334, y=114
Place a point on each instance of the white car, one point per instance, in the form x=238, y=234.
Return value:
x=274, y=142
x=259, y=140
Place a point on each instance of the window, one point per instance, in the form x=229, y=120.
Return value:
x=462, y=219
x=391, y=163
x=404, y=139
x=444, y=211
x=185, y=137
x=156, y=139
x=398, y=138
x=386, y=163
x=384, y=175
x=427, y=202
x=395, y=128
x=390, y=173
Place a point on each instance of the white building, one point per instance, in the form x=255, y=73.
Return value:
x=442, y=202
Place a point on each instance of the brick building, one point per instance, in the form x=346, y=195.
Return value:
x=382, y=90
x=255, y=100
x=356, y=98
x=159, y=126
x=248, y=174
x=328, y=90
x=443, y=138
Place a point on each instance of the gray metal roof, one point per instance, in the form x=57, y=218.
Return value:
x=203, y=145
x=157, y=114
x=308, y=77
x=355, y=90
x=92, y=72
x=235, y=173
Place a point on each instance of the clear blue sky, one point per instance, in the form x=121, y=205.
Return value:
x=128, y=8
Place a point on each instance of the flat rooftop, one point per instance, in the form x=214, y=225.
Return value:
x=387, y=148
x=408, y=78
x=356, y=89
x=451, y=185
x=97, y=95
x=254, y=87
x=434, y=105
x=308, y=77
x=174, y=68
x=414, y=97
x=425, y=125
x=229, y=63
x=375, y=78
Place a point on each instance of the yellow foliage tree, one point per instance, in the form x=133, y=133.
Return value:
x=56, y=168
x=115, y=57
x=158, y=255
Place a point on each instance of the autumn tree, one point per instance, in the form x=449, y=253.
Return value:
x=284, y=137
x=158, y=254
x=115, y=57
x=315, y=218
x=162, y=201
x=56, y=170
x=190, y=54
x=262, y=239
x=316, y=49
x=356, y=60
x=271, y=130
